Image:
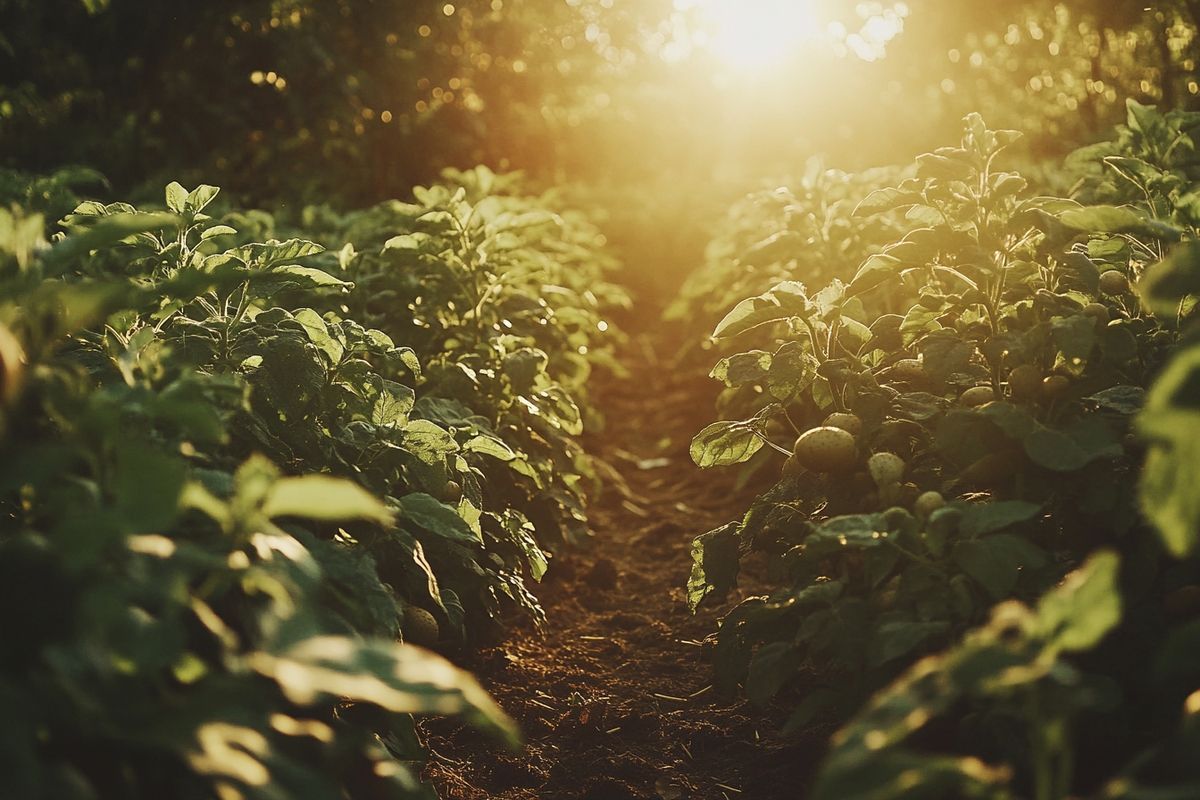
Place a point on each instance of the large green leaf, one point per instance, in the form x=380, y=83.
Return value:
x=398, y=677
x=1117, y=219
x=429, y=442
x=323, y=497
x=262, y=255
x=787, y=299
x=742, y=368
x=997, y=561
x=887, y=199
x=1073, y=448
x=319, y=335
x=429, y=513
x=489, y=445
x=293, y=275
x=108, y=230
x=1081, y=610
x=1170, y=483
x=980, y=519
x=715, y=564
x=722, y=444
x=876, y=270
x=1164, y=285
x=792, y=371
x=392, y=405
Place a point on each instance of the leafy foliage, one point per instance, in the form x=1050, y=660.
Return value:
x=993, y=358
x=1015, y=665
x=223, y=493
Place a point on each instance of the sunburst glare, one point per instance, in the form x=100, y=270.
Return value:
x=753, y=34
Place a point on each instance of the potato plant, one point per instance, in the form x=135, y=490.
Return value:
x=952, y=421
x=227, y=496
x=1038, y=679
x=807, y=229
x=506, y=295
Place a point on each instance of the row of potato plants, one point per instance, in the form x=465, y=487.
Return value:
x=242, y=477
x=958, y=424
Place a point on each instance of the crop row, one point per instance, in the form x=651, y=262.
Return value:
x=239, y=469
x=976, y=438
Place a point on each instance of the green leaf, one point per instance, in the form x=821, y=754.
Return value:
x=434, y=516
x=1015, y=421
x=489, y=445
x=406, y=241
x=1108, y=249
x=408, y=357
x=715, y=564
x=392, y=407
x=318, y=334
x=557, y=406
x=900, y=773
x=1164, y=285
x=792, y=371
x=943, y=352
x=860, y=530
x=108, y=230
x=216, y=230
x=785, y=300
x=996, y=561
x=1074, y=336
x=742, y=368
x=1141, y=117
x=1121, y=399
x=1073, y=448
x=925, y=215
x=814, y=703
x=399, y=678
x=261, y=255
x=980, y=519
x=1077, y=614
x=322, y=497
x=1170, y=482
x=199, y=198
x=918, y=321
x=429, y=442
x=1117, y=219
x=918, y=406
x=940, y=167
x=776, y=248
x=438, y=220
x=887, y=199
x=875, y=271
x=723, y=444
x=305, y=277
x=176, y=197
x=524, y=366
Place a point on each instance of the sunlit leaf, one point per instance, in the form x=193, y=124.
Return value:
x=323, y=497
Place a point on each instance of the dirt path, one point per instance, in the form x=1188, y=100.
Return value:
x=613, y=696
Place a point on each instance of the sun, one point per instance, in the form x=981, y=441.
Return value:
x=753, y=34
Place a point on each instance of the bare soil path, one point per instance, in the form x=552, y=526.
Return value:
x=613, y=696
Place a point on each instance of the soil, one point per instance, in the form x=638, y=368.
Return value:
x=614, y=696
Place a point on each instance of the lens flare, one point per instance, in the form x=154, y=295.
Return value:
x=753, y=34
